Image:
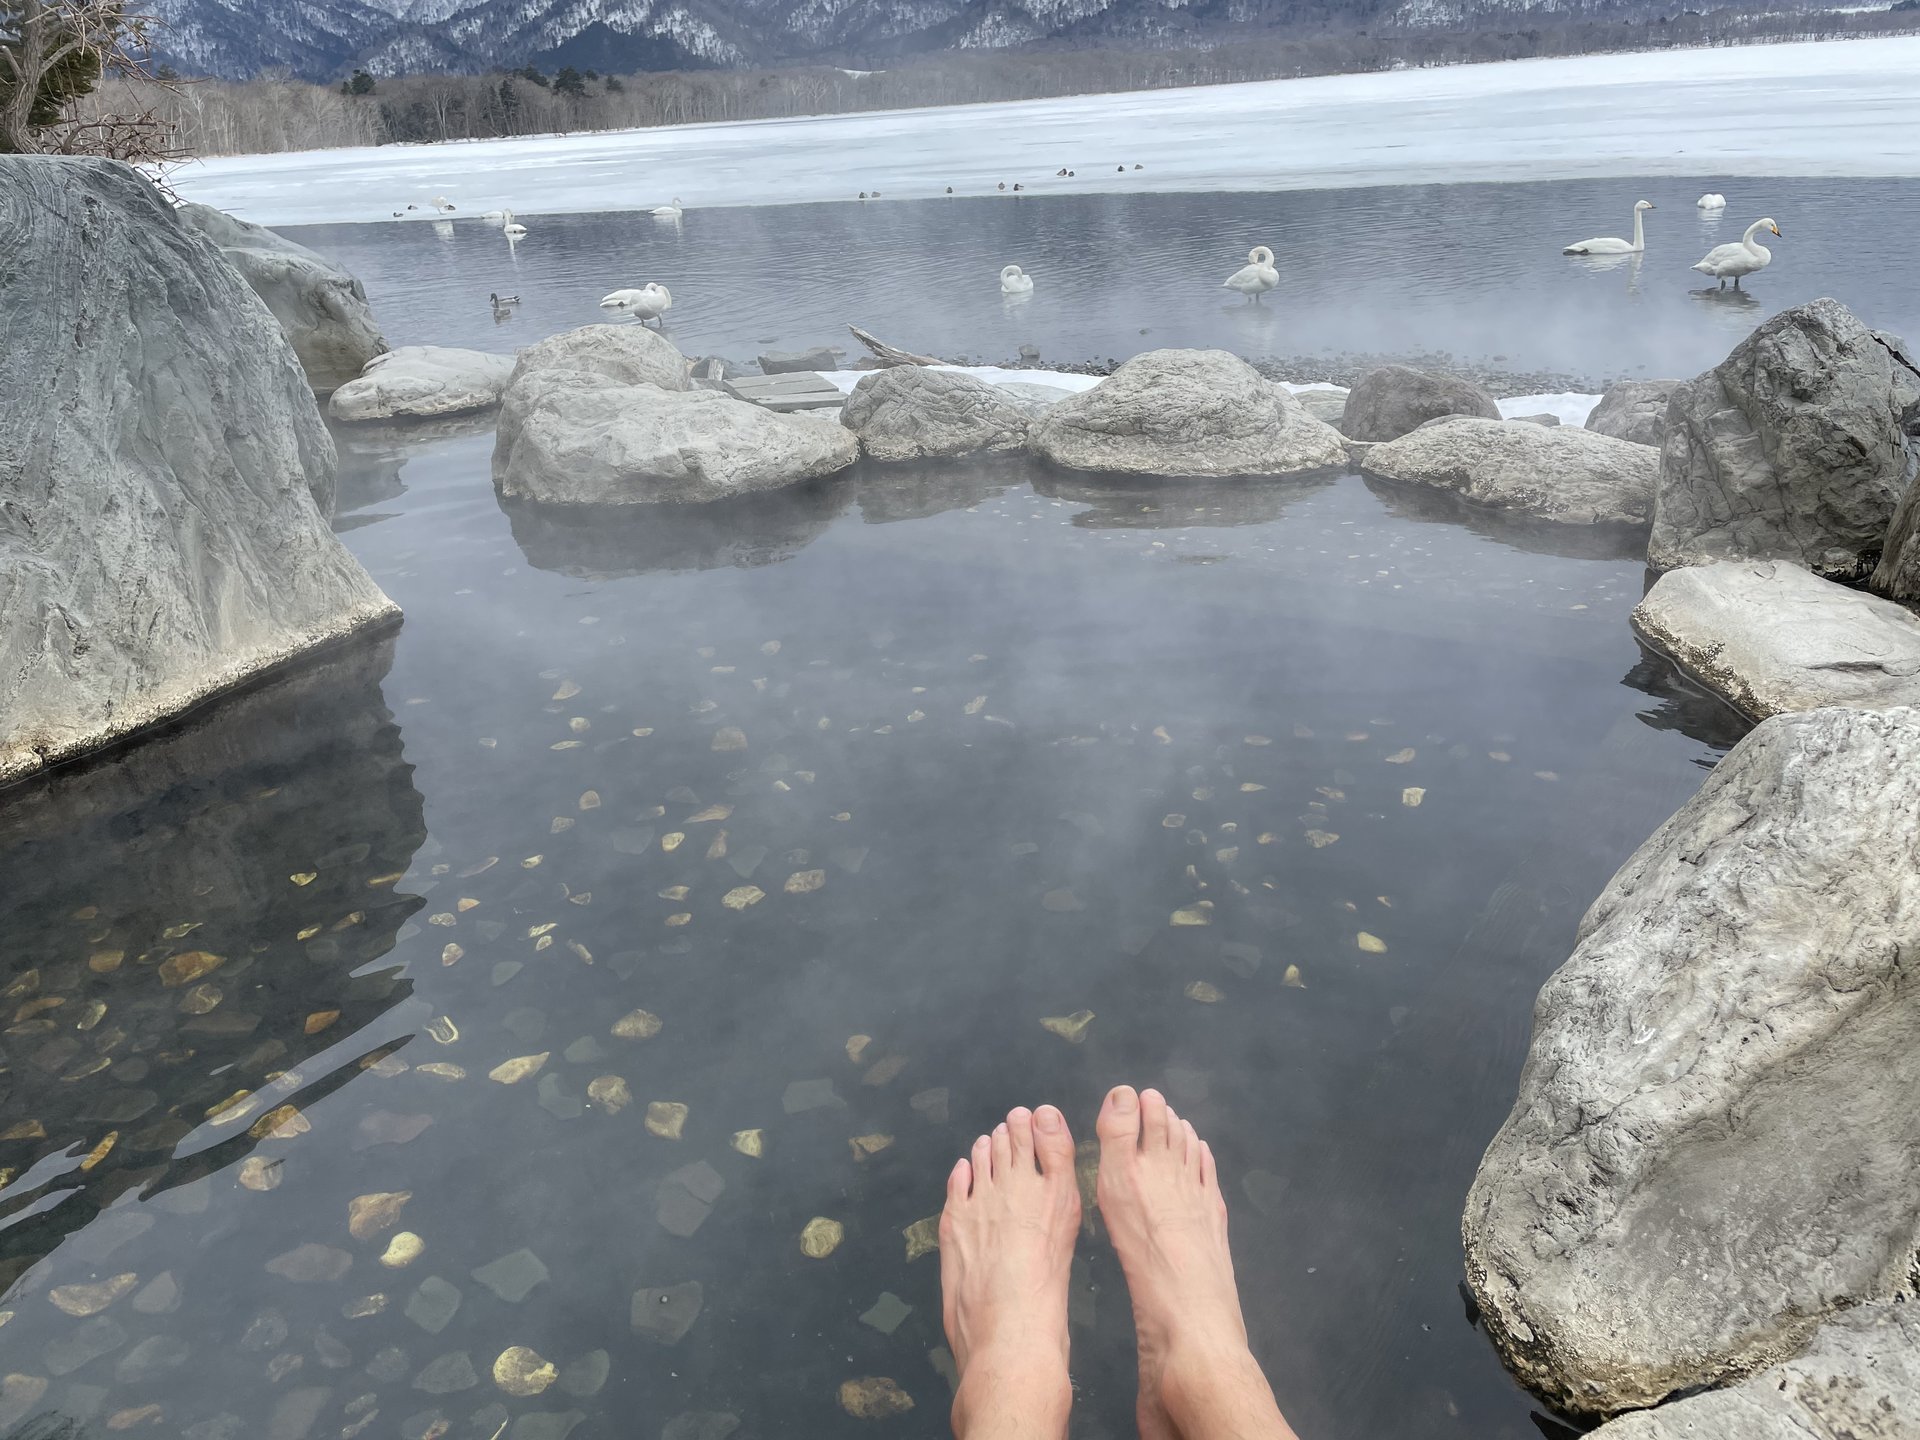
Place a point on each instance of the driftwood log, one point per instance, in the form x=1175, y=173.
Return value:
x=887, y=354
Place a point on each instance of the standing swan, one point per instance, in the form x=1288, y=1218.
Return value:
x=1256, y=277
x=667, y=212
x=1612, y=245
x=1745, y=257
x=649, y=302
x=1015, y=281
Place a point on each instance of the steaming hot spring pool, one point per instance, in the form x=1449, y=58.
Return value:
x=538, y=977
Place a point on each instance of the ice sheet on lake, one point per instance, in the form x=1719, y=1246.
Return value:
x=1838, y=108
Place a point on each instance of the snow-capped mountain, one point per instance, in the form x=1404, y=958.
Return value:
x=324, y=39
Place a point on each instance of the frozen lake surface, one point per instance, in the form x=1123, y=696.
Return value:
x=1834, y=109
x=1471, y=270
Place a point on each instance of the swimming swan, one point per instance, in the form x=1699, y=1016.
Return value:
x=1256, y=277
x=1015, y=281
x=649, y=302
x=513, y=228
x=667, y=212
x=1712, y=200
x=1612, y=245
x=1742, y=258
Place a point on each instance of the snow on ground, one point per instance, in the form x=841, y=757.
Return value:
x=1839, y=108
x=1568, y=407
x=845, y=380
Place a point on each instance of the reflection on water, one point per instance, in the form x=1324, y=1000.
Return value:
x=1471, y=270
x=751, y=860
x=1523, y=532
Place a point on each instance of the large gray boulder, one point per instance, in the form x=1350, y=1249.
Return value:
x=1898, y=573
x=1196, y=413
x=1560, y=473
x=1634, y=410
x=1767, y=636
x=1859, y=1379
x=165, y=477
x=623, y=354
x=913, y=412
x=1715, y=1145
x=321, y=307
x=571, y=437
x=418, y=382
x=1390, y=401
x=1789, y=449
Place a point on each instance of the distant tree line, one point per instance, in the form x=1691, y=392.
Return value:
x=275, y=113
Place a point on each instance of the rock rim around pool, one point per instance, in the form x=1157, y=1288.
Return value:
x=915, y=412
x=1715, y=1146
x=1789, y=449
x=1185, y=413
x=1859, y=1378
x=1767, y=636
x=321, y=307
x=168, y=479
x=1559, y=473
x=1394, y=400
x=572, y=437
x=1898, y=573
x=422, y=382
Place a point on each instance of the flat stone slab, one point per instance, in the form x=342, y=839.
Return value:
x=1768, y=637
x=665, y=1313
x=802, y=390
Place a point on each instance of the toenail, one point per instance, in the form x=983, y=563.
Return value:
x=1123, y=1099
x=1047, y=1118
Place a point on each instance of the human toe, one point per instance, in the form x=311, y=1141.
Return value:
x=1119, y=1122
x=1052, y=1141
x=1155, y=1120
x=1020, y=1137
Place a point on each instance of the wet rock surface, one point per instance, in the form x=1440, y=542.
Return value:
x=915, y=412
x=322, y=308
x=1713, y=1149
x=1559, y=473
x=1634, y=410
x=1391, y=400
x=1767, y=636
x=1789, y=449
x=1197, y=413
x=168, y=484
x=423, y=382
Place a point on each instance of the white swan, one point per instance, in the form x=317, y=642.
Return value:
x=1256, y=277
x=1744, y=257
x=649, y=302
x=442, y=204
x=667, y=212
x=1612, y=245
x=498, y=217
x=1712, y=200
x=1015, y=281
x=513, y=228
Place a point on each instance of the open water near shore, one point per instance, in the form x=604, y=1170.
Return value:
x=1281, y=796
x=1468, y=271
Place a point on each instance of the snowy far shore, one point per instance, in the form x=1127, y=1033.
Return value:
x=1837, y=108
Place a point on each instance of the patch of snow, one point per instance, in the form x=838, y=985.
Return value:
x=1571, y=407
x=1832, y=109
x=845, y=380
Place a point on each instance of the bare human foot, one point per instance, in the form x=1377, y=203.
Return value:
x=1160, y=1197
x=1006, y=1250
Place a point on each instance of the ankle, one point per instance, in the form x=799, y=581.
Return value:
x=1198, y=1363
x=1020, y=1380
